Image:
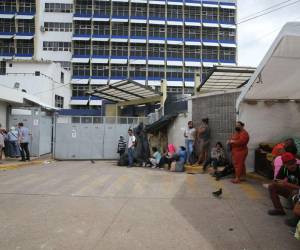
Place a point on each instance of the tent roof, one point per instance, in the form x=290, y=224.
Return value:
x=126, y=90
x=161, y=123
x=277, y=76
x=227, y=77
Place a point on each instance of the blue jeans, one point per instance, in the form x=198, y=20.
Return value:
x=13, y=149
x=189, y=148
x=130, y=157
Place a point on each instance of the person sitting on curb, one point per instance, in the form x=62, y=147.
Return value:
x=286, y=184
x=217, y=157
x=155, y=159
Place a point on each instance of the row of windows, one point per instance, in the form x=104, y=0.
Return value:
x=7, y=25
x=7, y=46
x=23, y=6
x=59, y=7
x=154, y=50
x=138, y=30
x=133, y=71
x=57, y=46
x=59, y=27
x=155, y=11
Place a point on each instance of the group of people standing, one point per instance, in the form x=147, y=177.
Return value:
x=197, y=142
x=15, y=142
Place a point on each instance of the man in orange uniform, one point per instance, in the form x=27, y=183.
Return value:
x=239, y=151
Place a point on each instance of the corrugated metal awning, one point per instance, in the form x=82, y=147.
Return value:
x=125, y=90
x=226, y=77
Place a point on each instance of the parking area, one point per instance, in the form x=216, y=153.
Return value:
x=90, y=206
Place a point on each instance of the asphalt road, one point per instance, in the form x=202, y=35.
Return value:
x=80, y=205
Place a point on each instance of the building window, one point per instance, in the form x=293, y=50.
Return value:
x=175, y=32
x=100, y=48
x=25, y=47
x=62, y=77
x=83, y=7
x=79, y=90
x=227, y=35
x=119, y=49
x=100, y=70
x=58, y=27
x=209, y=14
x=174, y=72
x=119, y=71
x=59, y=101
x=7, y=47
x=26, y=26
x=192, y=12
x=102, y=8
x=174, y=51
x=227, y=15
x=56, y=46
x=210, y=33
x=8, y=6
x=59, y=7
x=82, y=48
x=83, y=27
x=120, y=9
x=2, y=68
x=137, y=71
x=157, y=31
x=192, y=52
x=119, y=29
x=156, y=72
x=27, y=6
x=139, y=10
x=157, y=11
x=138, y=30
x=189, y=73
x=101, y=29
x=174, y=11
x=228, y=54
x=7, y=25
x=156, y=51
x=193, y=33
x=138, y=50
x=210, y=53
x=81, y=69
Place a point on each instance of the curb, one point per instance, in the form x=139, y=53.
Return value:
x=4, y=167
x=257, y=177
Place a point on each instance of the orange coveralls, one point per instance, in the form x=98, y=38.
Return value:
x=239, y=151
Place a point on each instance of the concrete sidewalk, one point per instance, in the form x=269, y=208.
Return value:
x=81, y=205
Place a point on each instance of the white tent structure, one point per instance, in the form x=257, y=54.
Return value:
x=270, y=102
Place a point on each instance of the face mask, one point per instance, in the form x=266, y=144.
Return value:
x=238, y=129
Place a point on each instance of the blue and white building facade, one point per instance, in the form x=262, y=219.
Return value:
x=104, y=41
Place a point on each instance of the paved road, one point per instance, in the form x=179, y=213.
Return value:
x=80, y=205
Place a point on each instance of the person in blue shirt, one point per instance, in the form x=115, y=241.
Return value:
x=155, y=159
x=24, y=138
x=12, y=137
x=180, y=159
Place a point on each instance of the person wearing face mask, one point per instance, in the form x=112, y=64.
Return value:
x=239, y=151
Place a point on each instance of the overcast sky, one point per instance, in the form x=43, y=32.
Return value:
x=256, y=36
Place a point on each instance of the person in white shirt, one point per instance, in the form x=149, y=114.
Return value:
x=131, y=144
x=189, y=135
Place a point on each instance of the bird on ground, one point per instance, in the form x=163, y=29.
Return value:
x=218, y=193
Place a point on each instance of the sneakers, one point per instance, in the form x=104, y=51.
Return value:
x=275, y=212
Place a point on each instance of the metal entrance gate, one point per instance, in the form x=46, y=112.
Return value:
x=87, y=138
x=40, y=126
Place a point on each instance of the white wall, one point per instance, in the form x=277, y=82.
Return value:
x=40, y=36
x=269, y=123
x=45, y=86
x=177, y=127
x=3, y=109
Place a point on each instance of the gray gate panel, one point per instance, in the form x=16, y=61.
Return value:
x=45, y=127
x=85, y=140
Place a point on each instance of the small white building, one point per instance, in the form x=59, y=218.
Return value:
x=45, y=80
x=270, y=102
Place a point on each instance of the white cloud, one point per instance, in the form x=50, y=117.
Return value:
x=256, y=36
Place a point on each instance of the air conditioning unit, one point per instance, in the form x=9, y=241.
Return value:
x=42, y=29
